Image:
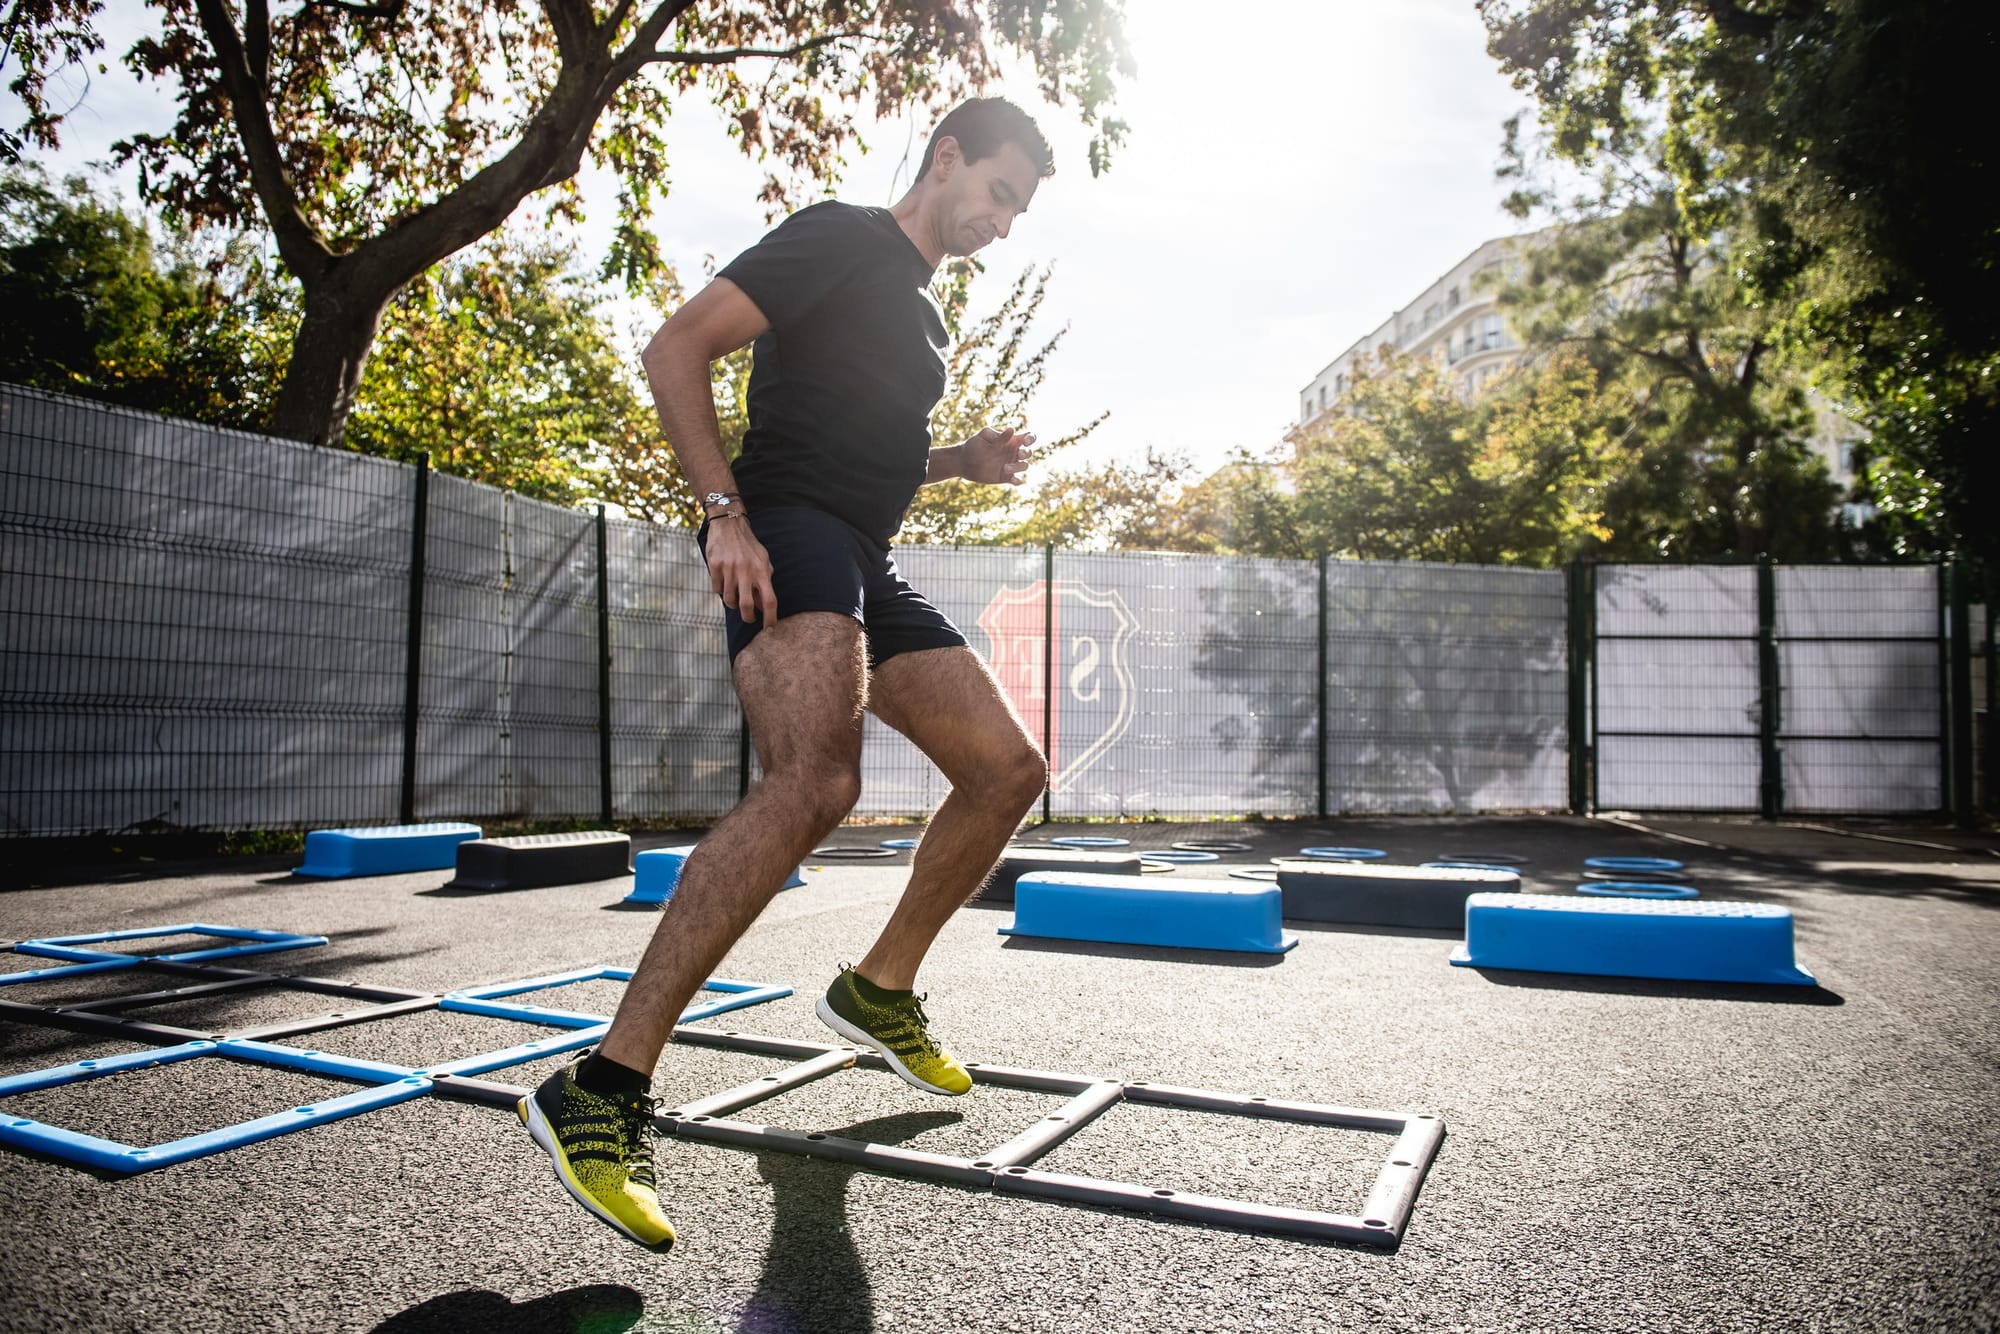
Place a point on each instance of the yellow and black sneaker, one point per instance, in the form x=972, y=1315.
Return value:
x=602, y=1148
x=893, y=1023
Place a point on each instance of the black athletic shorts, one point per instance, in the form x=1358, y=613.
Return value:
x=821, y=563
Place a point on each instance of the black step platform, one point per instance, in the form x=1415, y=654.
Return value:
x=1018, y=862
x=1369, y=895
x=536, y=861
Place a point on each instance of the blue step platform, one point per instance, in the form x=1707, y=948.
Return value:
x=384, y=850
x=1677, y=940
x=656, y=871
x=1122, y=909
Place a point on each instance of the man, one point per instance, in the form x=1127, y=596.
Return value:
x=848, y=363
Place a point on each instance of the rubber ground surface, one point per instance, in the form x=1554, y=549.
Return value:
x=1621, y=1155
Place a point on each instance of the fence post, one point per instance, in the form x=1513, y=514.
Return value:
x=413, y=654
x=1320, y=734
x=1580, y=663
x=603, y=673
x=1986, y=774
x=1771, y=780
x=1959, y=627
x=1048, y=672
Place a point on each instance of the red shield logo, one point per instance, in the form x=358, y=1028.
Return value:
x=1079, y=700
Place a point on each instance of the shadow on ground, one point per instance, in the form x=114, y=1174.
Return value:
x=599, y=1308
x=813, y=1278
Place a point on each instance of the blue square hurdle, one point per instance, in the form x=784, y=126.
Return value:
x=487, y=1000
x=656, y=871
x=1125, y=910
x=388, y=1084
x=251, y=941
x=385, y=849
x=82, y=962
x=1678, y=940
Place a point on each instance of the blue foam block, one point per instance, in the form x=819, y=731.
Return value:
x=1694, y=941
x=386, y=850
x=1123, y=910
x=656, y=872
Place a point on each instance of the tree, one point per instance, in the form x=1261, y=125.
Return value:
x=1639, y=278
x=991, y=378
x=89, y=305
x=1862, y=166
x=376, y=139
x=502, y=366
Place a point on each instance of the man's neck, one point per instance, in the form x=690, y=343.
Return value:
x=913, y=214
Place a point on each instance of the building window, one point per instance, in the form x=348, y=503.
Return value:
x=1490, y=331
x=1322, y=398
x=1451, y=299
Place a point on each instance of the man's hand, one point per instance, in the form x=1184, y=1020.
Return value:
x=995, y=455
x=739, y=570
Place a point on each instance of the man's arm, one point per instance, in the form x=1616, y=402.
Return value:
x=719, y=320
x=991, y=456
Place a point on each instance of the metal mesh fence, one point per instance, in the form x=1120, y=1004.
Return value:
x=676, y=728
x=206, y=629
x=1676, y=687
x=199, y=625
x=1860, y=662
x=1446, y=688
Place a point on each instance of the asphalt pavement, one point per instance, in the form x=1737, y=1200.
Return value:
x=1620, y=1155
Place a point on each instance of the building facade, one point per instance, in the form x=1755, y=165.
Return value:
x=1455, y=320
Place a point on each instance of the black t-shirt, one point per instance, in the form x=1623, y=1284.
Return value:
x=843, y=383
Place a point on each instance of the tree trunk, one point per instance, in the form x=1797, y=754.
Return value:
x=328, y=353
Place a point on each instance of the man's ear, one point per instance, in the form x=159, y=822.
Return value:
x=948, y=156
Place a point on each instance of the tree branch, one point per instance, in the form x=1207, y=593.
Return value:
x=649, y=32
x=1736, y=21
x=257, y=41
x=387, y=9
x=741, y=52
x=299, y=242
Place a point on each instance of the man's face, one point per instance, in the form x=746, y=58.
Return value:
x=982, y=199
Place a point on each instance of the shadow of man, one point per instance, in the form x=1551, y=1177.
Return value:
x=599, y=1308
x=813, y=1281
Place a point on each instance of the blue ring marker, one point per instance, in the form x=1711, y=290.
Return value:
x=1178, y=855
x=1343, y=854
x=899, y=844
x=1620, y=889
x=1269, y=873
x=1659, y=876
x=1633, y=864
x=1217, y=845
x=1090, y=841
x=1470, y=866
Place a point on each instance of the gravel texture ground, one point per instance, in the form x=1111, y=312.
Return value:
x=1620, y=1155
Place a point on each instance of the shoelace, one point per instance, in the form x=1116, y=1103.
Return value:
x=636, y=1126
x=916, y=1007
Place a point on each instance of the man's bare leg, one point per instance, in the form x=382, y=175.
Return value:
x=947, y=702
x=803, y=683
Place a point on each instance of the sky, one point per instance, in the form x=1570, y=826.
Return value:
x=1295, y=172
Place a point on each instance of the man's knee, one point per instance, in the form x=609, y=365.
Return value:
x=821, y=795
x=1019, y=777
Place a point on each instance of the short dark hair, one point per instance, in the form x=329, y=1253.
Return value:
x=982, y=125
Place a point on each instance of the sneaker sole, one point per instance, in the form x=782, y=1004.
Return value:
x=832, y=1020
x=538, y=1126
